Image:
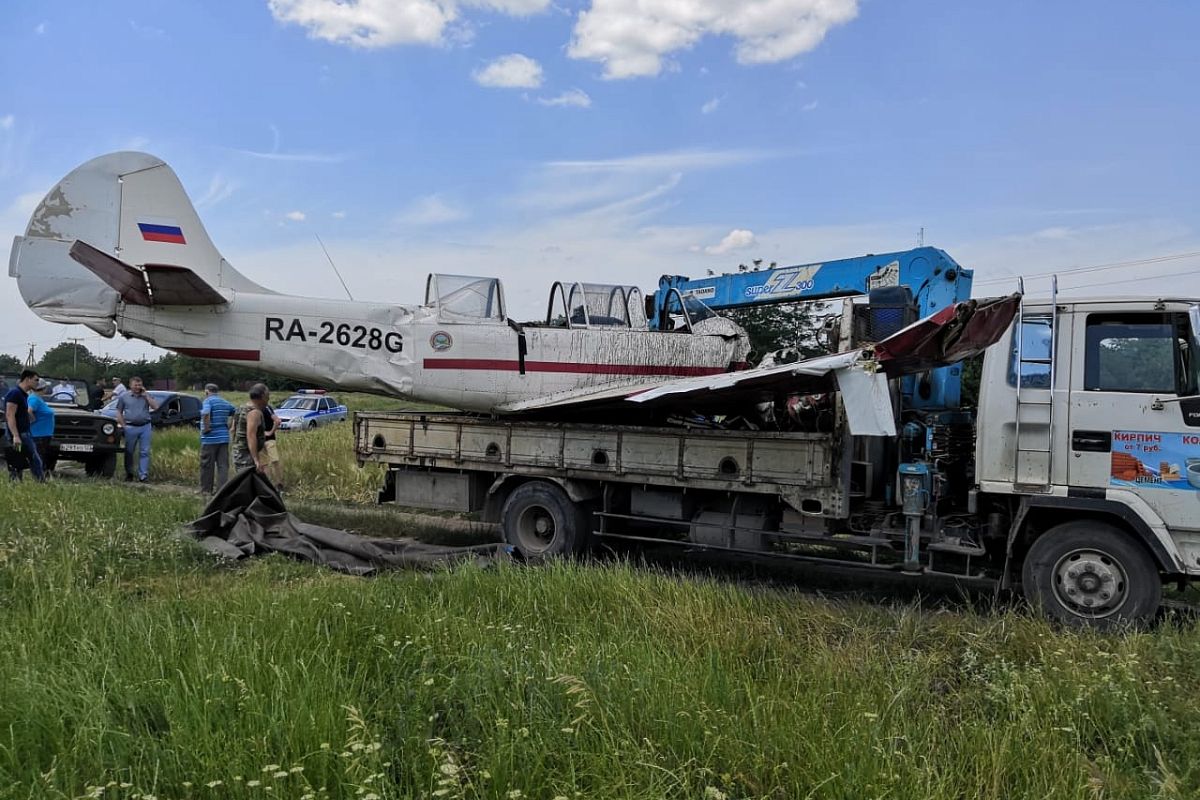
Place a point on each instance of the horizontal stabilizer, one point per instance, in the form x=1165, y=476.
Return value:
x=152, y=285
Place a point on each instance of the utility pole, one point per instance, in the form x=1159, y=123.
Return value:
x=29, y=359
x=921, y=237
x=75, y=356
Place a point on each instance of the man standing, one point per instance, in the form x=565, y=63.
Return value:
x=18, y=440
x=41, y=424
x=133, y=412
x=248, y=443
x=215, y=415
x=274, y=466
x=118, y=388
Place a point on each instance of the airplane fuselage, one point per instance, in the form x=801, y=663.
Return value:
x=477, y=365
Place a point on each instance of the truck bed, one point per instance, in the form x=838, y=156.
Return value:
x=798, y=467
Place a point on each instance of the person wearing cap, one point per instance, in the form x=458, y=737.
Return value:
x=41, y=416
x=249, y=447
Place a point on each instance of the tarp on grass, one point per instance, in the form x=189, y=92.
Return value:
x=248, y=517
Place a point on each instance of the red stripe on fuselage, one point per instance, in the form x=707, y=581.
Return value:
x=512, y=365
x=217, y=352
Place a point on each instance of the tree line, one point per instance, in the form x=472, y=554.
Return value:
x=75, y=361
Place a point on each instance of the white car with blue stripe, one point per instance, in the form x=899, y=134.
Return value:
x=307, y=410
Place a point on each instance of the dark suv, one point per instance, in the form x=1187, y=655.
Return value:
x=79, y=435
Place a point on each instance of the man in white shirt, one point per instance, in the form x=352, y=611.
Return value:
x=63, y=392
x=118, y=388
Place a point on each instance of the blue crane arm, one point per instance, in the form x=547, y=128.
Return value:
x=935, y=278
x=936, y=281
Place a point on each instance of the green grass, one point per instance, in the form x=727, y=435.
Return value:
x=132, y=662
x=317, y=464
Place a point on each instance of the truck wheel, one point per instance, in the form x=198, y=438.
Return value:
x=541, y=522
x=1091, y=575
x=101, y=466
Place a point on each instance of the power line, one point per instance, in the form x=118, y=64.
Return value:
x=1098, y=267
x=1132, y=280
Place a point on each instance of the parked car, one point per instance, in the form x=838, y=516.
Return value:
x=79, y=434
x=306, y=410
x=173, y=409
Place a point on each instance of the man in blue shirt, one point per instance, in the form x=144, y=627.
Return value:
x=41, y=426
x=216, y=414
x=19, y=448
x=133, y=414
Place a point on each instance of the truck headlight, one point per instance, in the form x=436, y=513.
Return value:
x=108, y=428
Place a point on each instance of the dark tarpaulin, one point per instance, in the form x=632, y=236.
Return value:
x=247, y=517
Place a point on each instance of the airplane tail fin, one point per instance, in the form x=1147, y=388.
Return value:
x=130, y=206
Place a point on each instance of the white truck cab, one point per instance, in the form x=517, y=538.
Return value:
x=1100, y=438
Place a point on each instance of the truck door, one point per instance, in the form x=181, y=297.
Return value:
x=1122, y=440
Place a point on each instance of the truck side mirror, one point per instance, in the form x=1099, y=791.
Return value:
x=1194, y=317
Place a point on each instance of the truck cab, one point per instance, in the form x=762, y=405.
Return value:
x=1089, y=417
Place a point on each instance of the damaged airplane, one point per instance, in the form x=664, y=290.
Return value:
x=117, y=246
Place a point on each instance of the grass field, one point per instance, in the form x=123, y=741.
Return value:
x=134, y=666
x=318, y=464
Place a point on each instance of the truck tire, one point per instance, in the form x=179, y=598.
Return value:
x=1090, y=574
x=102, y=466
x=541, y=522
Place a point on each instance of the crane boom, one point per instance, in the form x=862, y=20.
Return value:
x=935, y=279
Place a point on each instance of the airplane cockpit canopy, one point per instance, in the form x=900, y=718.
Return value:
x=592, y=305
x=465, y=298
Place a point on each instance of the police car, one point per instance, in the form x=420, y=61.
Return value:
x=309, y=408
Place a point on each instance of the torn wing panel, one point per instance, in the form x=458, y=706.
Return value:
x=956, y=332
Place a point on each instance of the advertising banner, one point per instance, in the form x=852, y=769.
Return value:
x=1152, y=460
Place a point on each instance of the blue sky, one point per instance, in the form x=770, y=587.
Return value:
x=616, y=140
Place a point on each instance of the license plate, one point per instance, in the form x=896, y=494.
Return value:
x=75, y=448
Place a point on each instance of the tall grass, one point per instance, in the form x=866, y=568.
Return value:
x=317, y=464
x=132, y=665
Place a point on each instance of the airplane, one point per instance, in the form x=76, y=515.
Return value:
x=117, y=246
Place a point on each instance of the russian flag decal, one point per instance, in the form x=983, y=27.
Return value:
x=157, y=229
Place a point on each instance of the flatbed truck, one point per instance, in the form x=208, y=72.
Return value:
x=1076, y=477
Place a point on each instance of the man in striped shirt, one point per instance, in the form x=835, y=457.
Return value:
x=215, y=416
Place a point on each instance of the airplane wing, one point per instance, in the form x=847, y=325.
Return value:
x=152, y=285
x=956, y=332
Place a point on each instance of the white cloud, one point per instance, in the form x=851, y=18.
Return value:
x=811, y=106
x=219, y=189
x=513, y=71
x=576, y=98
x=632, y=37
x=710, y=106
x=430, y=210
x=40, y=29
x=146, y=31
x=736, y=239
x=295, y=216
x=383, y=23
x=668, y=160
x=338, y=215
x=7, y=122
x=308, y=158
